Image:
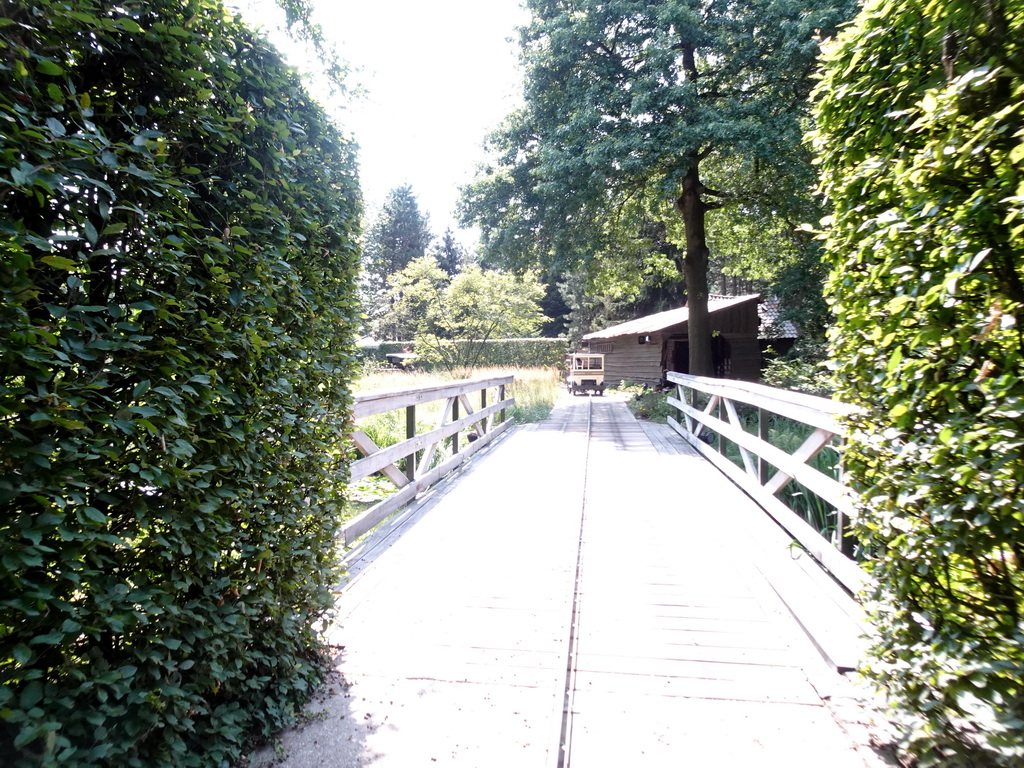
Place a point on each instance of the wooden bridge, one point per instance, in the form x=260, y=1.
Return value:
x=589, y=591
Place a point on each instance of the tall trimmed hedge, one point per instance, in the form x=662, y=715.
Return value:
x=921, y=143
x=520, y=353
x=177, y=240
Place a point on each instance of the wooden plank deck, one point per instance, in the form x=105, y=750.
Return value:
x=578, y=598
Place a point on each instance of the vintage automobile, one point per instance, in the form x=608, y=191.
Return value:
x=585, y=373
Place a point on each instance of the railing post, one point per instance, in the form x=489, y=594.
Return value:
x=718, y=415
x=845, y=540
x=763, y=467
x=845, y=543
x=501, y=397
x=483, y=404
x=455, y=417
x=410, y=433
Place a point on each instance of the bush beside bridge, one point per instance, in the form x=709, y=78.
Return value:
x=178, y=256
x=921, y=140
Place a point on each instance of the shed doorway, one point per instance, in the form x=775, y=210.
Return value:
x=678, y=358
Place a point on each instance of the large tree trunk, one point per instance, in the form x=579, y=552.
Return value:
x=695, y=270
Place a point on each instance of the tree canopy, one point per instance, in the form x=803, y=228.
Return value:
x=399, y=234
x=453, y=317
x=647, y=115
x=921, y=142
x=451, y=255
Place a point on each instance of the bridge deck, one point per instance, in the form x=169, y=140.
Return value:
x=575, y=587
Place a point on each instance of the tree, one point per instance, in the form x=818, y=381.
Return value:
x=303, y=29
x=453, y=318
x=411, y=292
x=399, y=234
x=921, y=143
x=450, y=254
x=633, y=111
x=588, y=310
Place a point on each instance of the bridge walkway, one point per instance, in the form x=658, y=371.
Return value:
x=583, y=595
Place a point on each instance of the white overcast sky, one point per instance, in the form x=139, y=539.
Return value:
x=438, y=75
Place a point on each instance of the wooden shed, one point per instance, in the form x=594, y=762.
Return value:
x=642, y=350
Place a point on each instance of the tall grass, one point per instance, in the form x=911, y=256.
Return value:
x=535, y=391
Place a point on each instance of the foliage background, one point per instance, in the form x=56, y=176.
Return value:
x=921, y=144
x=400, y=233
x=453, y=317
x=178, y=257
x=654, y=139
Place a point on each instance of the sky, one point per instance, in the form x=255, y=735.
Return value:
x=437, y=77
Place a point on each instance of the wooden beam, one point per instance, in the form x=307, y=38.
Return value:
x=376, y=514
x=845, y=570
x=745, y=453
x=815, y=443
x=367, y=447
x=371, y=403
x=830, y=490
x=378, y=461
x=819, y=412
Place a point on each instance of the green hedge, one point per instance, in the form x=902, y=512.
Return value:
x=921, y=142
x=519, y=353
x=178, y=264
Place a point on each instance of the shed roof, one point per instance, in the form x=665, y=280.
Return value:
x=662, y=320
x=772, y=327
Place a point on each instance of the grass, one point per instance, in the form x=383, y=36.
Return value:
x=367, y=492
x=535, y=390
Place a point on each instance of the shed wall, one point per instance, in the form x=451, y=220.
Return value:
x=745, y=354
x=627, y=359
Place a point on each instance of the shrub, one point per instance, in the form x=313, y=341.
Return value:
x=517, y=353
x=378, y=352
x=648, y=404
x=177, y=250
x=921, y=143
x=798, y=375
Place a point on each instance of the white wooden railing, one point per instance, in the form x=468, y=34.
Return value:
x=485, y=421
x=767, y=469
